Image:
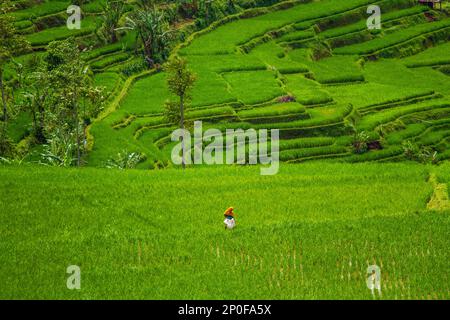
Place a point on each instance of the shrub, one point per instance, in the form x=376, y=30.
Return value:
x=125, y=160
x=59, y=150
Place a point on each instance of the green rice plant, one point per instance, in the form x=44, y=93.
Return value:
x=225, y=63
x=60, y=33
x=273, y=56
x=430, y=57
x=360, y=13
x=252, y=87
x=433, y=137
x=209, y=113
x=387, y=153
x=306, y=91
x=371, y=121
x=336, y=67
x=302, y=143
x=132, y=66
x=272, y=110
x=109, y=60
x=19, y=127
x=98, y=52
x=408, y=100
x=320, y=119
x=43, y=9
x=299, y=154
x=394, y=38
x=142, y=124
x=310, y=232
x=362, y=24
x=109, y=80
x=24, y=24
x=249, y=83
x=366, y=95
x=211, y=88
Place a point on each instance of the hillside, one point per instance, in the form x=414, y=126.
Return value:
x=309, y=68
x=307, y=233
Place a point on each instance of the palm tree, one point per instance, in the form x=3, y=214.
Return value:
x=153, y=31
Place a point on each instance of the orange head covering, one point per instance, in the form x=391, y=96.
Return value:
x=229, y=212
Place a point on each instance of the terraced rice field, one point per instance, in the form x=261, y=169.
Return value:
x=319, y=53
x=309, y=232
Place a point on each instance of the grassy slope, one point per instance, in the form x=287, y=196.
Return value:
x=308, y=232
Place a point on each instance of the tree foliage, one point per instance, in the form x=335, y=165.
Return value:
x=180, y=81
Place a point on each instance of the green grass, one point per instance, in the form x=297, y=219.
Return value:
x=309, y=233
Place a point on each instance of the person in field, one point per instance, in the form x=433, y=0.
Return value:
x=229, y=221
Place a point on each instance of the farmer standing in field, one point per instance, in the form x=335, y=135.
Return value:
x=229, y=218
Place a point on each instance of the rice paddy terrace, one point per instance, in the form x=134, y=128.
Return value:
x=309, y=232
x=309, y=69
